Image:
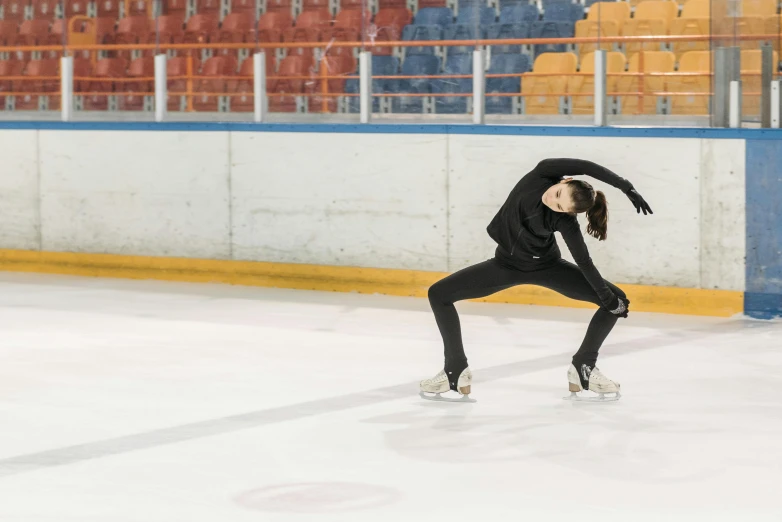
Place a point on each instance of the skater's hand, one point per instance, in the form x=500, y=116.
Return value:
x=638, y=202
x=621, y=308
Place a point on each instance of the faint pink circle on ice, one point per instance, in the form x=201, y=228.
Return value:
x=318, y=497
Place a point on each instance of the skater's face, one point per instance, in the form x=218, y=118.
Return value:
x=558, y=197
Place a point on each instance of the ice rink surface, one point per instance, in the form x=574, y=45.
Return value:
x=160, y=402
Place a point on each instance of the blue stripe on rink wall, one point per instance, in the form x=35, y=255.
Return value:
x=388, y=128
x=763, y=298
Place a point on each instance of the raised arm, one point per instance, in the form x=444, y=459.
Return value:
x=558, y=168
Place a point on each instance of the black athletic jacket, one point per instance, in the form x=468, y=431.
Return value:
x=524, y=227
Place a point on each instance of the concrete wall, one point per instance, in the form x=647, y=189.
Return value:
x=411, y=201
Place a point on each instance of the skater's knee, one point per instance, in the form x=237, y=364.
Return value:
x=438, y=293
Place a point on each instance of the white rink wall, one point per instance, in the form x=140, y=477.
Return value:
x=411, y=201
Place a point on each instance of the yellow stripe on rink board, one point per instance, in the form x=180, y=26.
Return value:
x=691, y=301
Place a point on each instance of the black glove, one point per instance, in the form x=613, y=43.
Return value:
x=621, y=308
x=638, y=202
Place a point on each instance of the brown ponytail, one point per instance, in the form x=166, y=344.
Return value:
x=598, y=217
x=585, y=199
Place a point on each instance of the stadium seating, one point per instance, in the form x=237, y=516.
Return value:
x=652, y=18
x=653, y=62
x=75, y=8
x=208, y=7
x=563, y=12
x=455, y=64
x=762, y=8
x=545, y=91
x=308, y=27
x=140, y=68
x=107, y=8
x=418, y=33
x=585, y=85
x=691, y=104
x=273, y=24
x=388, y=27
x=546, y=29
x=49, y=88
x=381, y=66
x=176, y=8
x=347, y=26
x=201, y=28
x=441, y=16
x=300, y=65
x=44, y=10
x=176, y=68
x=694, y=20
x=99, y=89
x=244, y=7
x=413, y=66
x=9, y=30
x=273, y=6
x=9, y=68
x=475, y=16
x=605, y=19
x=236, y=28
x=750, y=81
x=506, y=32
x=504, y=64
x=243, y=101
x=217, y=71
x=519, y=13
x=13, y=10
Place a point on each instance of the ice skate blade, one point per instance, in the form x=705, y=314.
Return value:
x=439, y=398
x=602, y=397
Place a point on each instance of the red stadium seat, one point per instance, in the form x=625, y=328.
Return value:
x=347, y=26
x=82, y=68
x=9, y=68
x=236, y=28
x=431, y=3
x=244, y=6
x=140, y=8
x=175, y=8
x=13, y=10
x=209, y=7
x=133, y=30
x=391, y=4
x=244, y=87
x=201, y=28
x=30, y=102
x=279, y=5
x=31, y=32
x=272, y=25
x=207, y=92
x=98, y=90
x=292, y=65
x=335, y=64
x=44, y=9
x=139, y=68
x=177, y=67
x=9, y=31
x=75, y=8
x=315, y=5
x=308, y=27
x=170, y=30
x=351, y=4
x=388, y=28
x=108, y=8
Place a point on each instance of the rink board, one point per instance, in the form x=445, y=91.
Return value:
x=409, y=200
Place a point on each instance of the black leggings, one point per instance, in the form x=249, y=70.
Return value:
x=492, y=276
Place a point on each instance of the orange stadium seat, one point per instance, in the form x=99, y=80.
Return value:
x=244, y=7
x=308, y=27
x=175, y=8
x=605, y=19
x=337, y=64
x=692, y=104
x=107, y=8
x=751, y=81
x=9, y=31
x=653, y=62
x=13, y=10
x=44, y=9
x=762, y=8
x=546, y=91
x=388, y=28
x=175, y=69
x=279, y=5
x=615, y=63
x=236, y=28
x=201, y=28
x=75, y=8
x=694, y=20
x=31, y=32
x=208, y=7
x=652, y=18
x=347, y=26
x=314, y=5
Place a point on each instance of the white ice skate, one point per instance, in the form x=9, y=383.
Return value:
x=606, y=389
x=432, y=388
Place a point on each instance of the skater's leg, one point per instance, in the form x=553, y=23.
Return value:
x=567, y=279
x=473, y=282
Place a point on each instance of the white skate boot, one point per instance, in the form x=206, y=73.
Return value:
x=440, y=384
x=595, y=382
